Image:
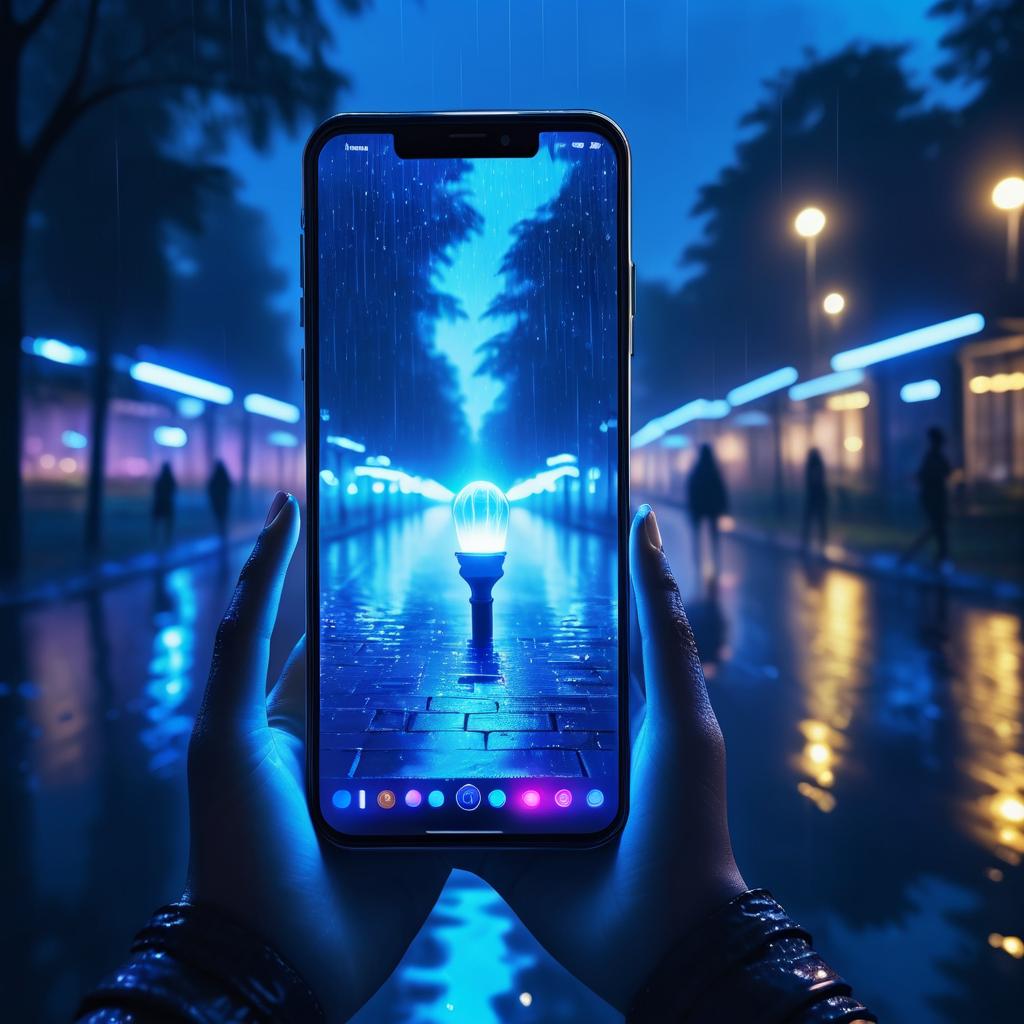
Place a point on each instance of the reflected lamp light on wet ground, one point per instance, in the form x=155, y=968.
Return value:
x=480, y=511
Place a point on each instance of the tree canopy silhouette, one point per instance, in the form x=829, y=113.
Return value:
x=382, y=379
x=220, y=69
x=557, y=357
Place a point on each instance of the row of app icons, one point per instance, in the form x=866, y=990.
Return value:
x=467, y=797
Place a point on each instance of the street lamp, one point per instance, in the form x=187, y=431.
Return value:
x=480, y=511
x=1008, y=195
x=833, y=303
x=809, y=223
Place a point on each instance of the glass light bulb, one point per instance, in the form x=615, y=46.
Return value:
x=480, y=511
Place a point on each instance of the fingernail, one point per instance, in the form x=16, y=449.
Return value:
x=280, y=500
x=651, y=526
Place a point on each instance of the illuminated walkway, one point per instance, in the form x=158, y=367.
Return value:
x=406, y=694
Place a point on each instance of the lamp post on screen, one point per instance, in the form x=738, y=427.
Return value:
x=1008, y=195
x=809, y=223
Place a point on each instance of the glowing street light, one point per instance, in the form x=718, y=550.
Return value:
x=809, y=223
x=480, y=511
x=1008, y=195
x=833, y=303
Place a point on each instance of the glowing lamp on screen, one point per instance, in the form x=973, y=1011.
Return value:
x=480, y=511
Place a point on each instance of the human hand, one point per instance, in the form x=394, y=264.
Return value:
x=342, y=918
x=610, y=914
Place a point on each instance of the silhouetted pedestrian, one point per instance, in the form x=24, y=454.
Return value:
x=708, y=500
x=219, y=490
x=163, y=504
x=932, y=475
x=815, y=500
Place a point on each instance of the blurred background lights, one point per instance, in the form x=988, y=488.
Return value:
x=833, y=304
x=480, y=511
x=1011, y=944
x=853, y=443
x=190, y=407
x=170, y=437
x=809, y=222
x=1009, y=193
x=525, y=999
x=73, y=439
x=920, y=391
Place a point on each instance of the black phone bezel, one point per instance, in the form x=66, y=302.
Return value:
x=434, y=134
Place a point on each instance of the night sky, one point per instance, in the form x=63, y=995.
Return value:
x=676, y=75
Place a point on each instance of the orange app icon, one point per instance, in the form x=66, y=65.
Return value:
x=386, y=799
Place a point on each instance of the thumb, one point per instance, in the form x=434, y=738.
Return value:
x=237, y=687
x=676, y=694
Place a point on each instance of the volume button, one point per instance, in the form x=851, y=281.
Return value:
x=302, y=363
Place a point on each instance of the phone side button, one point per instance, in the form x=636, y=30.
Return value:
x=632, y=288
x=302, y=363
x=302, y=311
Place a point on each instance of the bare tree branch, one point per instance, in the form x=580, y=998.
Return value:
x=34, y=21
x=62, y=116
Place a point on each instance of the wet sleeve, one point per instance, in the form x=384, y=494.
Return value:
x=194, y=964
x=748, y=961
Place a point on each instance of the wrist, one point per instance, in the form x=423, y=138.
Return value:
x=747, y=960
x=198, y=962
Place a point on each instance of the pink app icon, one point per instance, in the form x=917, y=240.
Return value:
x=531, y=798
x=413, y=798
x=563, y=798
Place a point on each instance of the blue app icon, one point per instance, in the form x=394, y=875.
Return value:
x=595, y=798
x=496, y=798
x=468, y=797
x=341, y=799
x=435, y=798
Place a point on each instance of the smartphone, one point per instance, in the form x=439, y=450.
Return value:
x=467, y=304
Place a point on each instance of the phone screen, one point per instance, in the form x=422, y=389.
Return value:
x=469, y=379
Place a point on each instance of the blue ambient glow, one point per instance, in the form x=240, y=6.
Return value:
x=345, y=442
x=183, y=383
x=170, y=437
x=191, y=408
x=273, y=408
x=282, y=439
x=73, y=439
x=56, y=351
x=752, y=418
x=912, y=341
x=480, y=512
x=921, y=390
x=826, y=385
x=761, y=386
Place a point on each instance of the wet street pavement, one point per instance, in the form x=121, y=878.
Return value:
x=875, y=764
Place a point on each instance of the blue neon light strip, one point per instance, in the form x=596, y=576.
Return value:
x=826, y=385
x=56, y=351
x=183, y=383
x=346, y=442
x=761, y=386
x=273, y=408
x=698, y=409
x=912, y=341
x=920, y=390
